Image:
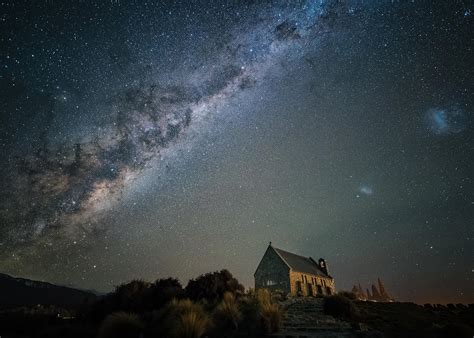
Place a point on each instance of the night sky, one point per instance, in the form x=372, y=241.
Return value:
x=154, y=139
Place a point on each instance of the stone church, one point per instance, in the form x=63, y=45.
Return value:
x=293, y=274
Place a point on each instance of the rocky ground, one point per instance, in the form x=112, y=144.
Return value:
x=305, y=318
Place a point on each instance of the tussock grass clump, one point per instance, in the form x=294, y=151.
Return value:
x=190, y=325
x=121, y=325
x=263, y=296
x=270, y=313
x=340, y=306
x=227, y=312
x=251, y=323
x=186, y=319
x=272, y=316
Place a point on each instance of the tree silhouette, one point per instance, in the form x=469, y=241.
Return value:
x=212, y=286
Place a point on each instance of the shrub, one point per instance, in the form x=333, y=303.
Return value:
x=121, y=325
x=227, y=312
x=212, y=286
x=348, y=295
x=340, y=306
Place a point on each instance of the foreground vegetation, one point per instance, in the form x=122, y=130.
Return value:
x=212, y=305
x=215, y=305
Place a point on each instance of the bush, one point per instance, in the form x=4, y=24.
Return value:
x=227, y=312
x=348, y=295
x=121, y=325
x=340, y=306
x=212, y=286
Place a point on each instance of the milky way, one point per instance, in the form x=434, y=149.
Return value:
x=123, y=121
x=63, y=189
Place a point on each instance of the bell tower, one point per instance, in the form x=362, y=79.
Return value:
x=323, y=265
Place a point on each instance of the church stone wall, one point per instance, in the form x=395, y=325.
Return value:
x=326, y=285
x=272, y=273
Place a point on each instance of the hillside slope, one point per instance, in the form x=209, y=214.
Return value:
x=20, y=291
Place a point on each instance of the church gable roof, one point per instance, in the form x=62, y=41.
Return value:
x=300, y=263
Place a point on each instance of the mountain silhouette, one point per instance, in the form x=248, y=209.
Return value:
x=21, y=291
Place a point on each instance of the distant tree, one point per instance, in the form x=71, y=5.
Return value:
x=164, y=290
x=355, y=290
x=375, y=293
x=133, y=296
x=361, y=292
x=383, y=292
x=212, y=286
x=129, y=297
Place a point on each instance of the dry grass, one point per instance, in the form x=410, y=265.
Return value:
x=228, y=312
x=263, y=296
x=270, y=312
x=186, y=319
x=191, y=325
x=272, y=316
